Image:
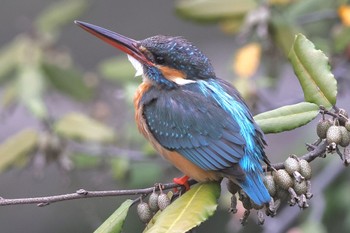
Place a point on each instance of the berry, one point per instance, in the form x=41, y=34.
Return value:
x=322, y=128
x=283, y=179
x=305, y=169
x=270, y=185
x=291, y=165
x=163, y=201
x=345, y=137
x=347, y=125
x=300, y=188
x=144, y=212
x=334, y=134
x=153, y=202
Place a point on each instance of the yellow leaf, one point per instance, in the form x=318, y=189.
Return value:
x=344, y=14
x=247, y=60
x=16, y=147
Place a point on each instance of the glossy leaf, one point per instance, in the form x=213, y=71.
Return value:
x=16, y=147
x=81, y=127
x=68, y=80
x=59, y=14
x=287, y=117
x=114, y=223
x=313, y=71
x=213, y=11
x=189, y=210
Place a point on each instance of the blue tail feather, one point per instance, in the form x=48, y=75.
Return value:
x=255, y=189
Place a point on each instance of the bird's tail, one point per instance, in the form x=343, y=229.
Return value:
x=253, y=186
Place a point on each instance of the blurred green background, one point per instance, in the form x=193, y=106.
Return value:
x=66, y=115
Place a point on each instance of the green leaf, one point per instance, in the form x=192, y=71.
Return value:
x=313, y=71
x=17, y=147
x=68, y=80
x=287, y=117
x=59, y=14
x=118, y=69
x=213, y=11
x=114, y=223
x=30, y=88
x=81, y=127
x=189, y=210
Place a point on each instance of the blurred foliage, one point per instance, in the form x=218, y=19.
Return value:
x=269, y=27
x=17, y=147
x=81, y=127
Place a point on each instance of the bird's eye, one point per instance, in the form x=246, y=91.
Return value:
x=160, y=60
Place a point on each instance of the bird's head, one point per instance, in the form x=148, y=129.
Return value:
x=165, y=61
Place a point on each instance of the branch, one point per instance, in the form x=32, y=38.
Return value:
x=82, y=193
x=317, y=151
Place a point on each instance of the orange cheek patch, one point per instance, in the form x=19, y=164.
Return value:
x=171, y=74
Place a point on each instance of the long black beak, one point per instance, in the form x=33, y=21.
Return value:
x=123, y=43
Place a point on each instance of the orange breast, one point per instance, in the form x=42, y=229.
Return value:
x=179, y=161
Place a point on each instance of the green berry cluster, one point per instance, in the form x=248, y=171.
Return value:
x=156, y=201
x=335, y=130
x=292, y=181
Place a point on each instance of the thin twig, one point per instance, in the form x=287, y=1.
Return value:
x=81, y=193
x=318, y=151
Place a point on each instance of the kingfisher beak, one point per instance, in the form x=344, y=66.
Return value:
x=123, y=43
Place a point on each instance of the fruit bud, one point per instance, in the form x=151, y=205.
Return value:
x=144, y=212
x=322, y=128
x=291, y=165
x=305, y=169
x=153, y=201
x=334, y=134
x=283, y=179
x=163, y=201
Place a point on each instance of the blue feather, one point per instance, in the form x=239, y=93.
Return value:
x=254, y=154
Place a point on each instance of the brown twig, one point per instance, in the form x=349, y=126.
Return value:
x=82, y=193
x=317, y=151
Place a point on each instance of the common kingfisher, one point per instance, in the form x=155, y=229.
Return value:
x=198, y=122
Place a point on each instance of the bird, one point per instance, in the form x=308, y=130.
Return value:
x=195, y=120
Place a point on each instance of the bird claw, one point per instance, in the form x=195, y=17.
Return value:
x=183, y=181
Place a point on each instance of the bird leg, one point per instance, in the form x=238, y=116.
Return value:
x=182, y=181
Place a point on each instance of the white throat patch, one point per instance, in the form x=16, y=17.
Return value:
x=137, y=65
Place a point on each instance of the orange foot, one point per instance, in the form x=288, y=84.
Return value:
x=182, y=181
